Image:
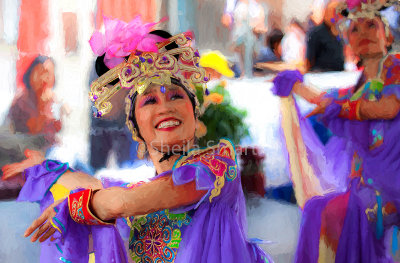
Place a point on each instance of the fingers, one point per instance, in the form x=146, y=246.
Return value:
x=44, y=228
x=36, y=224
x=48, y=234
x=316, y=111
x=14, y=169
x=10, y=170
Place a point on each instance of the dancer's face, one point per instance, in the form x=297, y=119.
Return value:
x=367, y=37
x=165, y=118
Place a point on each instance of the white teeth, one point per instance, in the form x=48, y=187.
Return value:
x=167, y=124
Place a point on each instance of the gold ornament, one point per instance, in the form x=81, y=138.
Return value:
x=144, y=68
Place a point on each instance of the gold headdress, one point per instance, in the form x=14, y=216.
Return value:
x=143, y=68
x=355, y=9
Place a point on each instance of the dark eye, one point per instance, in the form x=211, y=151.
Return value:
x=354, y=30
x=149, y=100
x=371, y=25
x=175, y=96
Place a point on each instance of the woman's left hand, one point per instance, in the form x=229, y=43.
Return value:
x=32, y=158
x=42, y=225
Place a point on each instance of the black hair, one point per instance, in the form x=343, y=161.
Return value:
x=275, y=38
x=26, y=77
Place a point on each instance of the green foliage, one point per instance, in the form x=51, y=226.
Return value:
x=222, y=120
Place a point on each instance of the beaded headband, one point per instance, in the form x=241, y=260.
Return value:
x=355, y=9
x=143, y=68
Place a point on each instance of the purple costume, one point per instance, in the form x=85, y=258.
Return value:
x=358, y=171
x=212, y=230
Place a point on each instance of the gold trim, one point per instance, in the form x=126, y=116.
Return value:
x=218, y=184
x=219, y=180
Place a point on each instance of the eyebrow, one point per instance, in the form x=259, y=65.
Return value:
x=147, y=91
x=172, y=87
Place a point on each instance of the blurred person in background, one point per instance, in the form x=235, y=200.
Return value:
x=317, y=13
x=34, y=118
x=285, y=51
x=269, y=58
x=227, y=16
x=33, y=109
x=246, y=18
x=324, y=46
x=293, y=44
x=273, y=49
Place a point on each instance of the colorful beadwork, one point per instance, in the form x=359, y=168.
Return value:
x=78, y=204
x=219, y=159
x=156, y=237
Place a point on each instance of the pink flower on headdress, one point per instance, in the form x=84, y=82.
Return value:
x=120, y=39
x=355, y=3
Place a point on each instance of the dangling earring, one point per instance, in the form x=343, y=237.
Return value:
x=201, y=129
x=141, y=151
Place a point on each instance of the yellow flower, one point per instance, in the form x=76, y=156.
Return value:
x=215, y=98
x=223, y=83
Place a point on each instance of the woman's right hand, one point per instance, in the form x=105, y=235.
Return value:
x=32, y=158
x=321, y=107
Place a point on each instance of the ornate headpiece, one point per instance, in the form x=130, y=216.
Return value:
x=146, y=65
x=354, y=9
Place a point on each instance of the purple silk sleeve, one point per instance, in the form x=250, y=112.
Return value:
x=73, y=240
x=194, y=172
x=284, y=82
x=345, y=128
x=40, y=178
x=191, y=172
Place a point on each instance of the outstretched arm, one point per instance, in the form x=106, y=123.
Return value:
x=154, y=196
x=308, y=93
x=116, y=202
x=70, y=180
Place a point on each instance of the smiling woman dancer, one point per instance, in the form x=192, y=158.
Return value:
x=349, y=187
x=193, y=210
